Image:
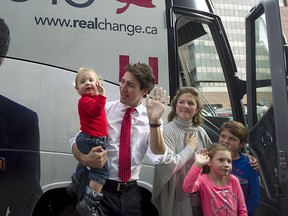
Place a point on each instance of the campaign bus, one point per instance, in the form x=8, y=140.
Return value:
x=185, y=44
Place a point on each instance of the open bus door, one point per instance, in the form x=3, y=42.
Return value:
x=200, y=56
x=267, y=87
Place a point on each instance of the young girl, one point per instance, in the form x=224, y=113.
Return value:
x=220, y=192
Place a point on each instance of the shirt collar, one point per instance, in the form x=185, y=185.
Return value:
x=140, y=108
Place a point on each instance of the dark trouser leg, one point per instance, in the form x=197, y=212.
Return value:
x=121, y=203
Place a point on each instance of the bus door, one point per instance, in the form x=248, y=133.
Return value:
x=203, y=59
x=268, y=103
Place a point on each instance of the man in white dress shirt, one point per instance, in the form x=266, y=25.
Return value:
x=146, y=138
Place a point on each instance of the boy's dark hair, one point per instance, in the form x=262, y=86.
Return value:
x=4, y=38
x=144, y=74
x=237, y=129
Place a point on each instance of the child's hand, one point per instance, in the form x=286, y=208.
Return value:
x=191, y=139
x=100, y=88
x=201, y=158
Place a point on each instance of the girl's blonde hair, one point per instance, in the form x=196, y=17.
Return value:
x=83, y=70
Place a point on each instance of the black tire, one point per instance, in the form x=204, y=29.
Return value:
x=56, y=203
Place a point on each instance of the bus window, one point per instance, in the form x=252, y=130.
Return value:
x=200, y=66
x=263, y=72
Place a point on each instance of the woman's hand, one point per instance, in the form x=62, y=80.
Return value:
x=191, y=139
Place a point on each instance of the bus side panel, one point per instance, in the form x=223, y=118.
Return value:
x=50, y=41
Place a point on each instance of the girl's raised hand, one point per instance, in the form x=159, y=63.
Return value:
x=201, y=158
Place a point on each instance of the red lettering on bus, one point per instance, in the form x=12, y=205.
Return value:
x=140, y=3
x=124, y=60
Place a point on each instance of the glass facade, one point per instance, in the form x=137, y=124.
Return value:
x=233, y=15
x=200, y=64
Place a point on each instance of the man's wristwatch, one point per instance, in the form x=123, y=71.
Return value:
x=154, y=125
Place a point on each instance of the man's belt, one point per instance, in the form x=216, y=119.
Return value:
x=120, y=186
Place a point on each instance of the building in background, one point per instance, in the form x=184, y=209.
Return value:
x=284, y=18
x=233, y=15
x=209, y=76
